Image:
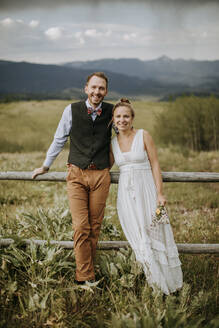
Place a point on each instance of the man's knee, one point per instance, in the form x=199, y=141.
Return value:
x=81, y=228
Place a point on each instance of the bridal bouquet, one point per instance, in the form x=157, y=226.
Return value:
x=160, y=217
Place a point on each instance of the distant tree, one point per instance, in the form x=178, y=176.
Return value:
x=190, y=122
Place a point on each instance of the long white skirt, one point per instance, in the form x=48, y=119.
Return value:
x=154, y=247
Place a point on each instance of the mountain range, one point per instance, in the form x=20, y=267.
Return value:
x=163, y=69
x=127, y=77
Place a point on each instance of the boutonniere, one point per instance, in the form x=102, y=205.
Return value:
x=160, y=216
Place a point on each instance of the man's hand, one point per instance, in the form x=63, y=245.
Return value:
x=40, y=170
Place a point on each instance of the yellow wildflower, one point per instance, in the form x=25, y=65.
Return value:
x=158, y=211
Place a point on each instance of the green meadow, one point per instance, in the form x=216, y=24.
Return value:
x=30, y=126
x=37, y=283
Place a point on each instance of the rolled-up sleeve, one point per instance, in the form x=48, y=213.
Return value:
x=60, y=137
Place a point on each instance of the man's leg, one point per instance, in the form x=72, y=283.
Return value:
x=78, y=191
x=99, y=189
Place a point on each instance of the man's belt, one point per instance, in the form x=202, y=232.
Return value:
x=92, y=166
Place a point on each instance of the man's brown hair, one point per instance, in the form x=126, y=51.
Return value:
x=98, y=74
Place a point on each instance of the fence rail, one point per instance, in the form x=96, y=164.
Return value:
x=110, y=245
x=61, y=176
x=115, y=245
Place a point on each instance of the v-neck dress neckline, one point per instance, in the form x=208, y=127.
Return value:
x=126, y=152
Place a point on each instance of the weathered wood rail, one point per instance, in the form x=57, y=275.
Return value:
x=115, y=245
x=61, y=176
x=110, y=245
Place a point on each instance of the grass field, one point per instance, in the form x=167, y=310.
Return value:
x=30, y=126
x=37, y=288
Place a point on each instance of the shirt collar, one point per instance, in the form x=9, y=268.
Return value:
x=89, y=105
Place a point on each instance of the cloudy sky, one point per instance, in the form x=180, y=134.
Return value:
x=56, y=31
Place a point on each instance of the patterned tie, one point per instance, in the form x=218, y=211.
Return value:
x=91, y=110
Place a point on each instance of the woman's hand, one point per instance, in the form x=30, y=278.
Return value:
x=161, y=200
x=40, y=170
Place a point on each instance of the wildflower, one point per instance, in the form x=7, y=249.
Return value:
x=160, y=217
x=157, y=211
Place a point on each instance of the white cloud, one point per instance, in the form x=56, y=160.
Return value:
x=79, y=37
x=54, y=33
x=7, y=22
x=81, y=41
x=90, y=39
x=108, y=33
x=20, y=21
x=34, y=23
x=92, y=33
x=129, y=36
x=204, y=35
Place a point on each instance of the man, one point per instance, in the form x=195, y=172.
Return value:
x=88, y=124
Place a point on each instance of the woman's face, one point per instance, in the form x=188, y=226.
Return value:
x=122, y=118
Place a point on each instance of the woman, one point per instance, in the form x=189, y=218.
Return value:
x=139, y=194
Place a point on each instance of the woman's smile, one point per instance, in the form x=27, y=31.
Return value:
x=122, y=118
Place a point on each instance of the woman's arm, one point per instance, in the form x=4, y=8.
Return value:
x=152, y=156
x=111, y=157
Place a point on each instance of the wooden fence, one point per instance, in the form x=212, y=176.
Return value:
x=167, y=176
x=110, y=245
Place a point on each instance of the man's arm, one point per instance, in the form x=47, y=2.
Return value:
x=58, y=143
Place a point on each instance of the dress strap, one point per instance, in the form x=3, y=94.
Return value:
x=138, y=144
x=114, y=145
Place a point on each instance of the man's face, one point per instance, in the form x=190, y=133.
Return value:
x=96, y=90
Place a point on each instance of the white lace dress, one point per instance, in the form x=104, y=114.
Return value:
x=154, y=247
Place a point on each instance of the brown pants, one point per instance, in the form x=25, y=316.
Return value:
x=87, y=193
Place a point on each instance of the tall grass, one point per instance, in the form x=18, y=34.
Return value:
x=37, y=283
x=30, y=126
